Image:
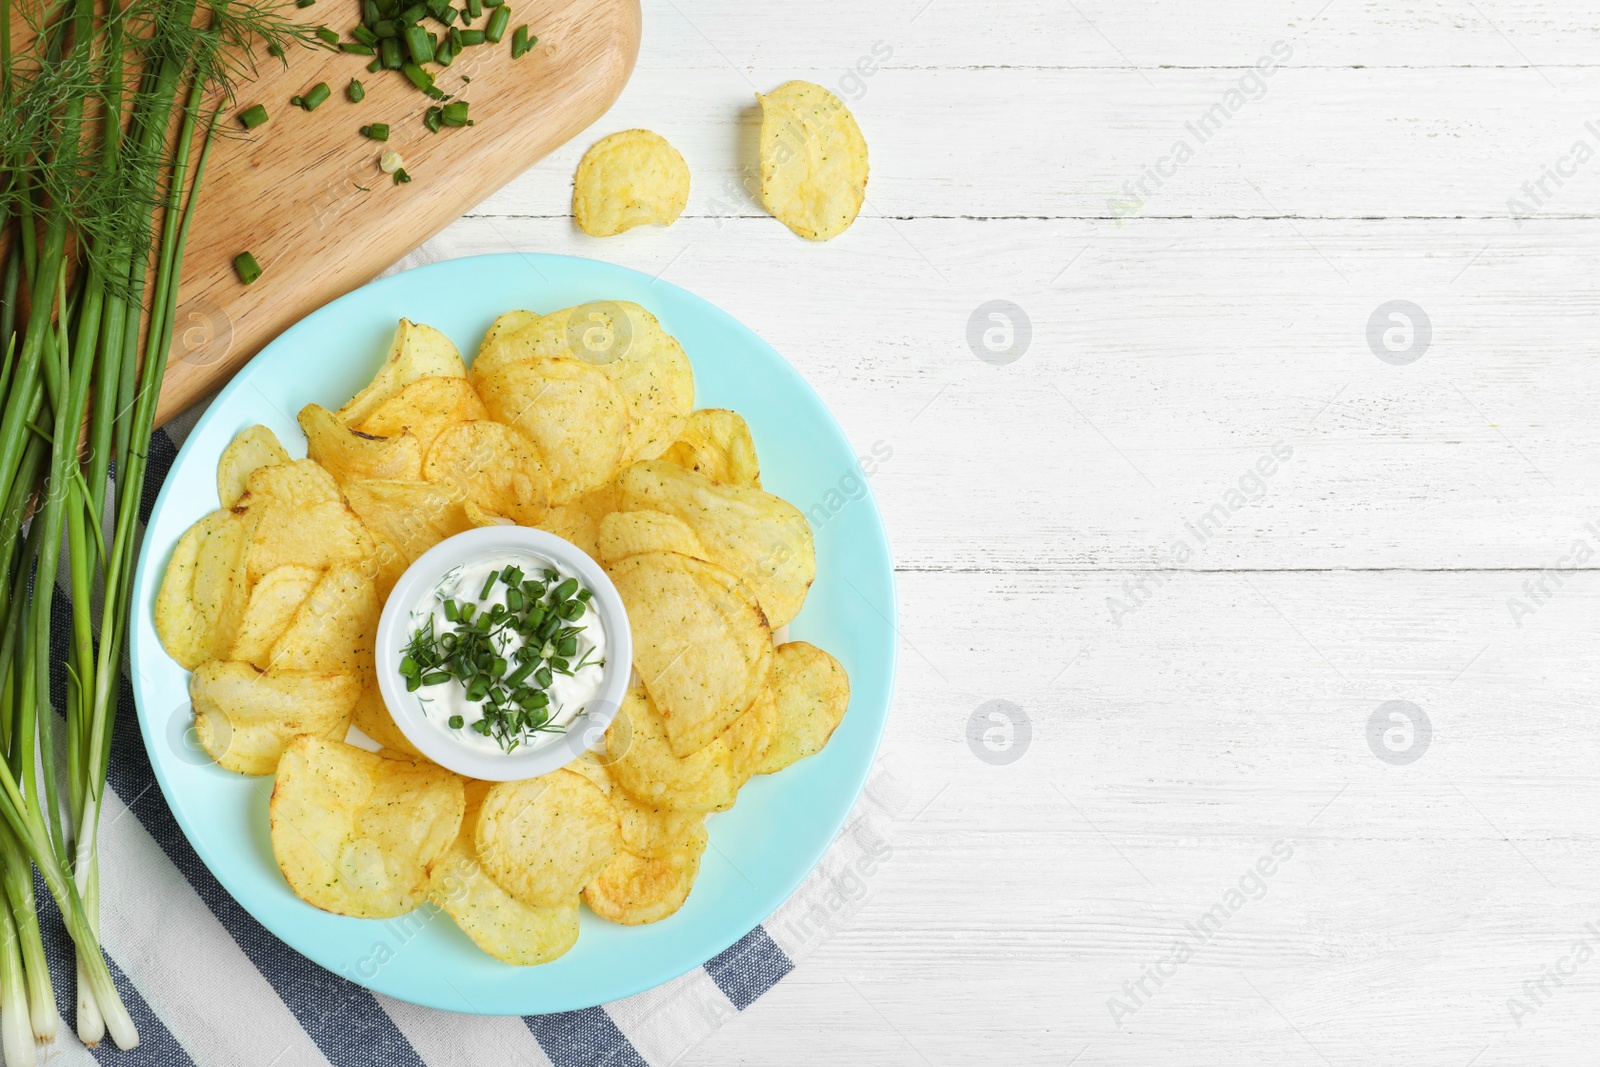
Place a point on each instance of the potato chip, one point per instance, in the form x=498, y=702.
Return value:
x=579, y=520
x=812, y=693
x=654, y=832
x=700, y=642
x=644, y=767
x=496, y=350
x=496, y=922
x=336, y=626
x=254, y=447
x=315, y=535
x=355, y=833
x=244, y=718
x=273, y=602
x=204, y=590
x=572, y=413
x=716, y=443
x=628, y=344
x=424, y=408
x=299, y=483
x=628, y=533
x=417, y=351
x=596, y=767
x=628, y=179
x=813, y=160
x=372, y=717
x=407, y=519
x=542, y=840
x=493, y=466
x=634, y=890
x=350, y=455
x=762, y=538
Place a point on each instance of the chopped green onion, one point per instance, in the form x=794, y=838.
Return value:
x=389, y=51
x=304, y=3
x=456, y=722
x=471, y=37
x=247, y=268
x=375, y=66
x=474, y=9
x=497, y=24
x=327, y=35
x=419, y=77
x=418, y=44
x=386, y=28
x=377, y=131
x=313, y=100
x=444, y=53
x=355, y=48
x=455, y=114
x=254, y=116
x=520, y=42
x=355, y=91
x=365, y=36
x=401, y=177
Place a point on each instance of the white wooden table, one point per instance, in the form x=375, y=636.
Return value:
x=1192, y=698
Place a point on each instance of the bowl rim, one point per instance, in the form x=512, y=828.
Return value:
x=587, y=730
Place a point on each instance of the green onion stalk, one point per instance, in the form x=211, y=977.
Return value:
x=108, y=114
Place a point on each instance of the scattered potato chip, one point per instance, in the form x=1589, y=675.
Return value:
x=417, y=351
x=496, y=922
x=813, y=160
x=493, y=466
x=244, y=718
x=542, y=840
x=628, y=533
x=762, y=538
x=204, y=590
x=355, y=833
x=579, y=520
x=424, y=408
x=350, y=455
x=643, y=765
x=255, y=446
x=372, y=717
x=628, y=179
x=716, y=443
x=314, y=535
x=336, y=626
x=634, y=890
x=406, y=519
x=812, y=692
x=700, y=642
x=572, y=413
x=273, y=602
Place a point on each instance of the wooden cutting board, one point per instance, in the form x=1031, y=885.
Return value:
x=304, y=194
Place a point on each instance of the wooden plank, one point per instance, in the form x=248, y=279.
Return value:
x=1011, y=34
x=1232, y=715
x=304, y=193
x=1165, y=362
x=1031, y=143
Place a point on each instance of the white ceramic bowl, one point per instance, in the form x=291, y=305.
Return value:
x=586, y=731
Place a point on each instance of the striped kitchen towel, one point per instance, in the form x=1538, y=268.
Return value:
x=207, y=984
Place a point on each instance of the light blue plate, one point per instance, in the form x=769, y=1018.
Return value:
x=760, y=851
